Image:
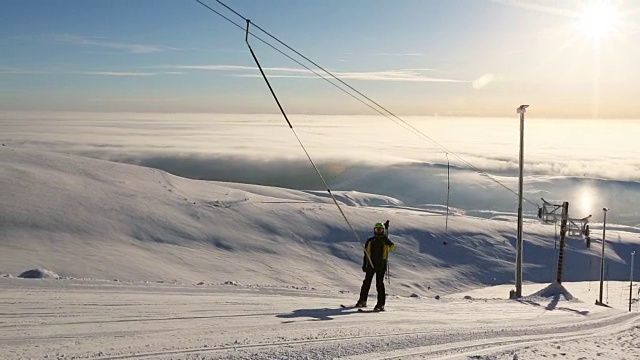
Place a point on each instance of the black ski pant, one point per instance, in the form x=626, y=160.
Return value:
x=366, y=285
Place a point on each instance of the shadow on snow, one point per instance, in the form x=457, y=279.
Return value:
x=316, y=314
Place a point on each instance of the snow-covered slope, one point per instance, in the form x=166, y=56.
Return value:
x=82, y=217
x=85, y=218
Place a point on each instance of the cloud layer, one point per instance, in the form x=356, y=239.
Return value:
x=100, y=42
x=407, y=75
x=361, y=153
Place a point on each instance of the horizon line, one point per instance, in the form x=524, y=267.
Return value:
x=434, y=115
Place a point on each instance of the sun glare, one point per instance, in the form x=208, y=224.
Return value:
x=585, y=201
x=599, y=20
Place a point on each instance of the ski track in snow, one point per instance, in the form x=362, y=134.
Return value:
x=99, y=320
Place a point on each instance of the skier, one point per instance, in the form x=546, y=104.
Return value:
x=377, y=247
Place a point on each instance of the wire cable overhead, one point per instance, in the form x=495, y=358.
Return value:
x=275, y=97
x=372, y=104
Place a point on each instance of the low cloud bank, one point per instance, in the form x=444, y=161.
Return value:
x=599, y=168
x=415, y=184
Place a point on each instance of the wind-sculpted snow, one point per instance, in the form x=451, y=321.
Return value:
x=157, y=266
x=82, y=217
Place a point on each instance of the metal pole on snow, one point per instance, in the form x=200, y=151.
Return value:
x=604, y=230
x=518, y=293
x=631, y=281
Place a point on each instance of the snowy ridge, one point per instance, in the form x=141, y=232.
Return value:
x=88, y=218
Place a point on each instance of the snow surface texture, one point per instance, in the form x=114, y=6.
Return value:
x=288, y=260
x=65, y=319
x=88, y=218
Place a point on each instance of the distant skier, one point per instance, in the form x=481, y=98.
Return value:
x=378, y=248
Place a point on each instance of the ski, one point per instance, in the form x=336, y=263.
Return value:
x=350, y=306
x=370, y=311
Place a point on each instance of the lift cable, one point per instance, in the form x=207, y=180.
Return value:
x=387, y=113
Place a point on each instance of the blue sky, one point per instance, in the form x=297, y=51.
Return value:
x=458, y=57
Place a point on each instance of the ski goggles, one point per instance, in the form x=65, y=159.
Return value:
x=378, y=230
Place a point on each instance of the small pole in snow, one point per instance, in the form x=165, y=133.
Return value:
x=563, y=232
x=604, y=229
x=631, y=281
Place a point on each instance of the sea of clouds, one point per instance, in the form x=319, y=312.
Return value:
x=590, y=163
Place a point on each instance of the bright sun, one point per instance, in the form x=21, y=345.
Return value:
x=599, y=20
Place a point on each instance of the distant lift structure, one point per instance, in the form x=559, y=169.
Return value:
x=549, y=213
x=577, y=227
